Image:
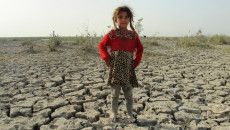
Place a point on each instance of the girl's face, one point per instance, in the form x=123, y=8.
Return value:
x=123, y=20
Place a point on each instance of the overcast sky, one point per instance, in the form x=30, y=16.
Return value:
x=71, y=17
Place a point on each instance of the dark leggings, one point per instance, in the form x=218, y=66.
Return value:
x=115, y=91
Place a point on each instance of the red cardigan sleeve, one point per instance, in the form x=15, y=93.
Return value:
x=139, y=52
x=103, y=47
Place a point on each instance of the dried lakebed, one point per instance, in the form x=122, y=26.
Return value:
x=178, y=89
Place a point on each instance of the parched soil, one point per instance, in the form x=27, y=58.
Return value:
x=178, y=89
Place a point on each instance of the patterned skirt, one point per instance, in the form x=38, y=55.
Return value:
x=121, y=68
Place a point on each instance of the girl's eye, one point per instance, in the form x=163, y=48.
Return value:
x=121, y=17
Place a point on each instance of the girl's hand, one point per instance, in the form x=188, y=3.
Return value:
x=107, y=63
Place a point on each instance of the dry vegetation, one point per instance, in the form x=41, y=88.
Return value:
x=227, y=50
x=88, y=43
x=54, y=42
x=200, y=41
x=28, y=46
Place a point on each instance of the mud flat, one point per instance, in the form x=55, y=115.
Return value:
x=178, y=89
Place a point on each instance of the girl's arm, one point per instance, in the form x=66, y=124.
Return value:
x=139, y=52
x=103, y=48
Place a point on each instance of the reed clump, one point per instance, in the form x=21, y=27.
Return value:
x=88, y=42
x=28, y=46
x=54, y=42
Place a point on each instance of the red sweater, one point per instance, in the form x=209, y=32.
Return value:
x=119, y=43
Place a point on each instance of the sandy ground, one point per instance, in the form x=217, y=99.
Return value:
x=178, y=89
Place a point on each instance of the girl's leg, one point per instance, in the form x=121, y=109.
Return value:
x=128, y=93
x=115, y=91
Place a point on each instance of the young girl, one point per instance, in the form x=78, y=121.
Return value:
x=121, y=63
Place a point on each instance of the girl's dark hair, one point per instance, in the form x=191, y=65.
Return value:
x=120, y=9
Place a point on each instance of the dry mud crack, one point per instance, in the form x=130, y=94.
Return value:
x=178, y=89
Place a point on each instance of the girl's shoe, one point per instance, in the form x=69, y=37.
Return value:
x=131, y=119
x=112, y=118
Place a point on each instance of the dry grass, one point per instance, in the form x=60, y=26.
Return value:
x=4, y=57
x=150, y=41
x=227, y=50
x=54, y=42
x=200, y=41
x=10, y=39
x=88, y=45
x=148, y=54
x=28, y=46
x=219, y=40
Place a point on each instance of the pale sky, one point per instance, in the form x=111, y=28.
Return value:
x=26, y=18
